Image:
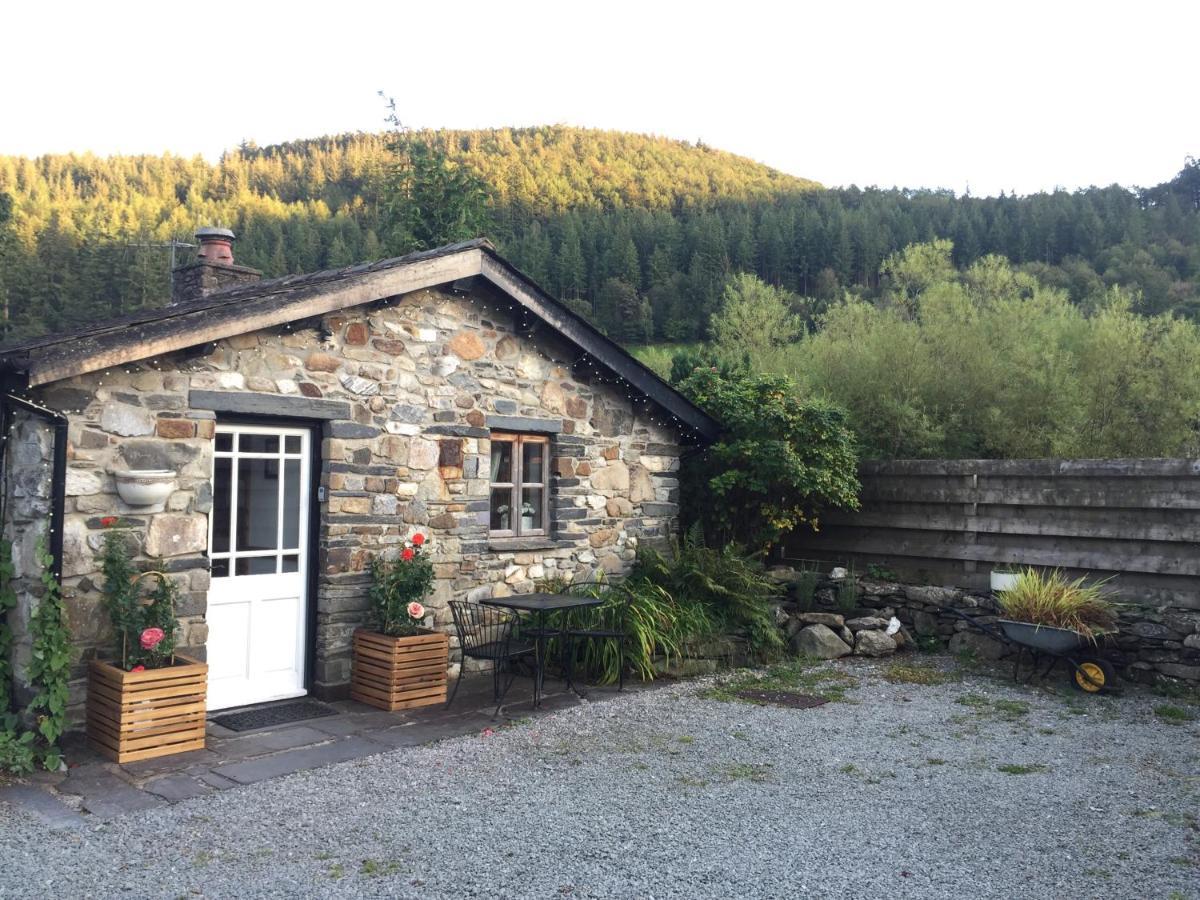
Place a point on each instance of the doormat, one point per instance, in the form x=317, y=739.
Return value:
x=275, y=714
x=783, y=698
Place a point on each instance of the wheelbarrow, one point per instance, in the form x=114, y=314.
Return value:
x=1089, y=672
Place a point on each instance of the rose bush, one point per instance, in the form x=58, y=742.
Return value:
x=397, y=587
x=144, y=623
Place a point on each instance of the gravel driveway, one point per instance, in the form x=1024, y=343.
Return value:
x=967, y=788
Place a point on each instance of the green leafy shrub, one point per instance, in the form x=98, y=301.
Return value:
x=1050, y=598
x=778, y=463
x=656, y=623
x=144, y=623
x=732, y=587
x=397, y=588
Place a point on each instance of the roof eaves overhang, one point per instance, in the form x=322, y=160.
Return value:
x=97, y=352
x=609, y=354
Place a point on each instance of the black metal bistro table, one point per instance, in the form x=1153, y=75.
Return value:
x=540, y=605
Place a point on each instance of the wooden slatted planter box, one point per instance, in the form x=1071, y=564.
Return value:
x=399, y=672
x=142, y=715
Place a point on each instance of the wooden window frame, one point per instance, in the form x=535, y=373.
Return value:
x=519, y=440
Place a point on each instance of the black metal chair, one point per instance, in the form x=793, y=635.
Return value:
x=612, y=628
x=486, y=633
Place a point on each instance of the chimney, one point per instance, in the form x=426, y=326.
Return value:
x=212, y=270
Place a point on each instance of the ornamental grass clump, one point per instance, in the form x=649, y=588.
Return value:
x=143, y=620
x=397, y=588
x=1050, y=598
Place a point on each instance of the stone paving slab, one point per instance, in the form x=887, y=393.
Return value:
x=42, y=804
x=174, y=788
x=298, y=760
x=262, y=743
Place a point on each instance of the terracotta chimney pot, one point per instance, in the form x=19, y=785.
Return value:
x=216, y=245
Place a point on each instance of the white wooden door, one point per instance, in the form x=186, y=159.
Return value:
x=258, y=542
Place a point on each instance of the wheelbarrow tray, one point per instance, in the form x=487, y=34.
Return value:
x=1044, y=638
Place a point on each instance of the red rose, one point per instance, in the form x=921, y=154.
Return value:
x=406, y=554
x=109, y=521
x=138, y=669
x=418, y=540
x=151, y=638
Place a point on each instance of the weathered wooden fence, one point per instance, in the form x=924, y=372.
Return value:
x=951, y=521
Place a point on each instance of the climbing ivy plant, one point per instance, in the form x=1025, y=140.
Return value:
x=49, y=670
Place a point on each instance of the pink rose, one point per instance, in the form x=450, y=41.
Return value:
x=151, y=638
x=416, y=610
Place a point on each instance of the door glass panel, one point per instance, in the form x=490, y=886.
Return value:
x=222, y=491
x=220, y=568
x=258, y=443
x=502, y=509
x=291, y=562
x=502, y=461
x=531, y=470
x=291, y=443
x=256, y=565
x=224, y=442
x=257, y=504
x=531, y=508
x=291, y=503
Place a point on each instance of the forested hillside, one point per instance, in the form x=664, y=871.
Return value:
x=641, y=231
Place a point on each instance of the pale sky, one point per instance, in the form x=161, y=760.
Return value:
x=994, y=96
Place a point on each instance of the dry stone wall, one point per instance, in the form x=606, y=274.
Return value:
x=1150, y=643
x=421, y=381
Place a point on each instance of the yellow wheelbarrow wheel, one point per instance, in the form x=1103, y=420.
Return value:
x=1093, y=675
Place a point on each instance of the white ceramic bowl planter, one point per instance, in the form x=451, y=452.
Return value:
x=145, y=487
x=1004, y=581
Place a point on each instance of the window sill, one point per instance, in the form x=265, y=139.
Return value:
x=538, y=542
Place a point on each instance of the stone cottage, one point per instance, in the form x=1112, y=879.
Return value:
x=303, y=424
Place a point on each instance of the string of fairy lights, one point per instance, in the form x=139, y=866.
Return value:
x=594, y=371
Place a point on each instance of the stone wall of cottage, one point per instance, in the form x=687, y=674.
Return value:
x=27, y=487
x=425, y=377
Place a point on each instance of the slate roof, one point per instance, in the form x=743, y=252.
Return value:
x=51, y=357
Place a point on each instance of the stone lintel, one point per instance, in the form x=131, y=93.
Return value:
x=248, y=403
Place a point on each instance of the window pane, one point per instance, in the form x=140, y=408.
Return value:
x=291, y=503
x=256, y=565
x=291, y=443
x=502, y=519
x=291, y=563
x=531, y=509
x=224, y=442
x=258, y=504
x=533, y=458
x=220, y=568
x=222, y=489
x=258, y=443
x=502, y=460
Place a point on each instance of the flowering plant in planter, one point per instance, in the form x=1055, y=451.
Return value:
x=144, y=622
x=148, y=702
x=397, y=588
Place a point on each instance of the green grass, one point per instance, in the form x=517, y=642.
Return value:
x=906, y=674
x=1018, y=769
x=756, y=772
x=797, y=675
x=935, y=761
x=1010, y=710
x=1174, y=715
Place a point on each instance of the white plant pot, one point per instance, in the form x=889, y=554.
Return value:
x=1004, y=581
x=145, y=487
